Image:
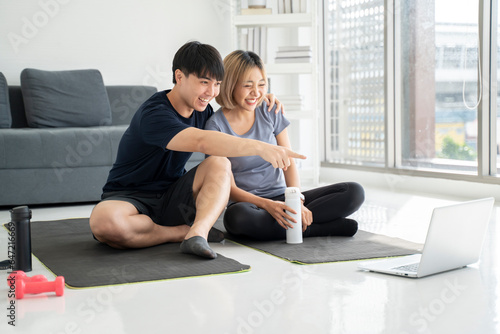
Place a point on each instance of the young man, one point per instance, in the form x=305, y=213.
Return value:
x=149, y=198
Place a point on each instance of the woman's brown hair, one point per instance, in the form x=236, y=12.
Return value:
x=236, y=66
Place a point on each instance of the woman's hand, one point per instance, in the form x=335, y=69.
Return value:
x=277, y=210
x=271, y=101
x=307, y=217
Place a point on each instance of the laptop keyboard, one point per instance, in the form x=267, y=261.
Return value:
x=408, y=267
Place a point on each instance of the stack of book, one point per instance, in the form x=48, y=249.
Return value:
x=293, y=54
x=292, y=102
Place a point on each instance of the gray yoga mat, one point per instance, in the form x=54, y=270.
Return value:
x=67, y=248
x=363, y=245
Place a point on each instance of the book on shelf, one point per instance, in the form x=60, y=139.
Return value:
x=251, y=36
x=289, y=60
x=293, y=54
x=284, y=54
x=243, y=39
x=293, y=97
x=292, y=102
x=263, y=44
x=291, y=6
x=304, y=6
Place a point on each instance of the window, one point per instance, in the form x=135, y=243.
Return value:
x=404, y=89
x=355, y=86
x=437, y=73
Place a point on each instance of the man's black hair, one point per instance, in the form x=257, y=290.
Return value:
x=203, y=60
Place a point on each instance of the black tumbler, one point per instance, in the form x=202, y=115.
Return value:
x=20, y=216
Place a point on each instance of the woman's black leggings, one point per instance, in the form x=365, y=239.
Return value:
x=329, y=206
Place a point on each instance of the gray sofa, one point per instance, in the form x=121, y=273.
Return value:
x=42, y=161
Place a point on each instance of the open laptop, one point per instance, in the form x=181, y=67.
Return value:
x=454, y=240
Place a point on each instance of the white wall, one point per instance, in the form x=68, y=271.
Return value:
x=129, y=41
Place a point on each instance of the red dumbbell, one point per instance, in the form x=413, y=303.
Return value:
x=16, y=276
x=23, y=287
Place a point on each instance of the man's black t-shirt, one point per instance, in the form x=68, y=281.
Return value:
x=143, y=162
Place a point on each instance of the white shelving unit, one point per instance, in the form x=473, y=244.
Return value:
x=291, y=79
x=274, y=20
x=298, y=68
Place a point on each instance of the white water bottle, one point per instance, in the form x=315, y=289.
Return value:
x=292, y=200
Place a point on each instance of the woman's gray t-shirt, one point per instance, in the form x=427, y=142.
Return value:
x=252, y=173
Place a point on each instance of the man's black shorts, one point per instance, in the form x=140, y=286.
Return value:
x=174, y=207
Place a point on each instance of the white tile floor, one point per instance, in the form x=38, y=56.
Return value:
x=277, y=296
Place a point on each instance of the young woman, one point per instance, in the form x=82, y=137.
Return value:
x=257, y=207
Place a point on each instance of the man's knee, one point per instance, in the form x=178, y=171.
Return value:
x=220, y=164
x=106, y=227
x=216, y=169
x=213, y=176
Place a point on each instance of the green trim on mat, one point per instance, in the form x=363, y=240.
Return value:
x=276, y=256
x=131, y=283
x=310, y=264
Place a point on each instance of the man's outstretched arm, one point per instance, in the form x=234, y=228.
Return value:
x=224, y=145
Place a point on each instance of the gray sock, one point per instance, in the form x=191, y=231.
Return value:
x=198, y=246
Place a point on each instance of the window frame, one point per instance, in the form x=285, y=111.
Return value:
x=486, y=111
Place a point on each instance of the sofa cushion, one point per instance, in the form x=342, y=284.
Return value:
x=125, y=100
x=59, y=149
x=74, y=98
x=5, y=117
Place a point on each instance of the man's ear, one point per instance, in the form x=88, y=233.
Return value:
x=179, y=76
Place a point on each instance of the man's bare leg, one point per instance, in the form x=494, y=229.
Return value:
x=119, y=224
x=211, y=188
